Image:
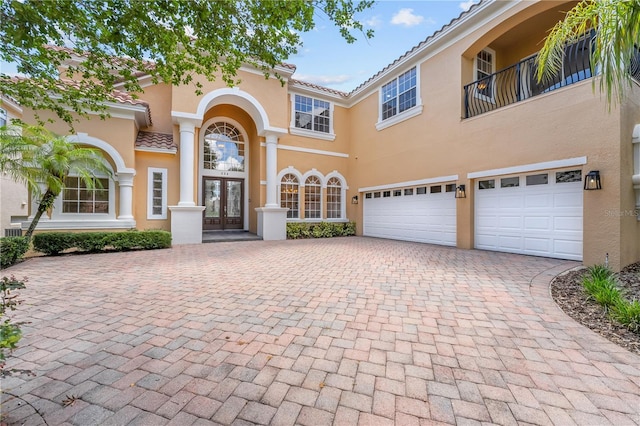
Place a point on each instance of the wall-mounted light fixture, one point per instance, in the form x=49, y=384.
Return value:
x=592, y=180
x=460, y=192
x=354, y=199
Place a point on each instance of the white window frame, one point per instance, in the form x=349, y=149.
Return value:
x=406, y=114
x=306, y=132
x=58, y=214
x=320, y=178
x=150, y=172
x=492, y=98
x=4, y=117
x=343, y=195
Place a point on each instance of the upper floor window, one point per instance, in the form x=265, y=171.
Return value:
x=485, y=67
x=400, y=94
x=77, y=197
x=312, y=205
x=3, y=117
x=312, y=114
x=289, y=195
x=223, y=148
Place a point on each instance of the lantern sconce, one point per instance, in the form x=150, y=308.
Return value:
x=460, y=192
x=354, y=199
x=592, y=180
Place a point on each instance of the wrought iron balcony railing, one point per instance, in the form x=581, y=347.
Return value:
x=519, y=81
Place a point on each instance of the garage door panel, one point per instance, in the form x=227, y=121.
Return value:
x=510, y=222
x=537, y=201
x=567, y=224
x=544, y=220
x=429, y=218
x=539, y=223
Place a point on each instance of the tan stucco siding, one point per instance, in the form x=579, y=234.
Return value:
x=159, y=99
x=144, y=161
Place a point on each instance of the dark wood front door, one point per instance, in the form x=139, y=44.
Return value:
x=223, y=201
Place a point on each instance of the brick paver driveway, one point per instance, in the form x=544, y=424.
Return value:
x=344, y=331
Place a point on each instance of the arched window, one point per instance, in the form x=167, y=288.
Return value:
x=223, y=148
x=312, y=198
x=334, y=198
x=289, y=197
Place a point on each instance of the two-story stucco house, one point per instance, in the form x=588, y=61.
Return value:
x=454, y=143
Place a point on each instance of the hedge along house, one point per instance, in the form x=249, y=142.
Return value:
x=454, y=143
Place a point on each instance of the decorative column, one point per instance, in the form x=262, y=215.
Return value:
x=272, y=170
x=272, y=219
x=125, y=183
x=187, y=156
x=186, y=217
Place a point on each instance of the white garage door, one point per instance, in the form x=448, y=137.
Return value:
x=537, y=213
x=425, y=214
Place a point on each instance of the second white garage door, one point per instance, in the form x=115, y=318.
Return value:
x=423, y=214
x=537, y=213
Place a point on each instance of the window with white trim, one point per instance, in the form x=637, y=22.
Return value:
x=334, y=198
x=157, y=193
x=223, y=148
x=485, y=67
x=312, y=199
x=289, y=195
x=3, y=117
x=312, y=114
x=79, y=198
x=399, y=95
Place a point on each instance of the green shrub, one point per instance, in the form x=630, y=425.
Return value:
x=297, y=230
x=600, y=272
x=627, y=313
x=12, y=249
x=91, y=241
x=57, y=242
x=53, y=243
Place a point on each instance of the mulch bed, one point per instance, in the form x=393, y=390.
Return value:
x=568, y=293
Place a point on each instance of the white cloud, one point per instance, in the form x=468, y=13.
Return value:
x=323, y=80
x=407, y=18
x=373, y=22
x=466, y=5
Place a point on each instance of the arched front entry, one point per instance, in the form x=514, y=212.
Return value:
x=224, y=174
x=187, y=216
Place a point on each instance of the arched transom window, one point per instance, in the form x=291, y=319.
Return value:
x=312, y=204
x=223, y=148
x=334, y=198
x=289, y=195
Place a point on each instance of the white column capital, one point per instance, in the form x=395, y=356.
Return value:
x=271, y=138
x=125, y=177
x=186, y=125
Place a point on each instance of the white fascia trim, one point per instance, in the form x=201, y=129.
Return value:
x=157, y=150
x=295, y=88
x=309, y=150
x=484, y=12
x=398, y=118
x=83, y=224
x=438, y=179
x=556, y=164
x=10, y=102
x=312, y=134
x=263, y=182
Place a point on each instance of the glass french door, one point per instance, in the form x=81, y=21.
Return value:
x=222, y=199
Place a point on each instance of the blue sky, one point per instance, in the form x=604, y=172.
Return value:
x=328, y=60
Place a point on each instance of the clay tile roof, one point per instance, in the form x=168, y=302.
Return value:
x=290, y=66
x=315, y=86
x=155, y=140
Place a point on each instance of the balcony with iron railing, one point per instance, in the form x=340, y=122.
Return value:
x=519, y=82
